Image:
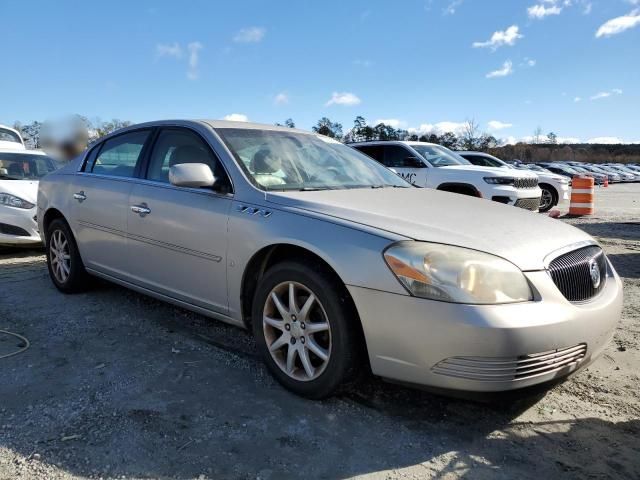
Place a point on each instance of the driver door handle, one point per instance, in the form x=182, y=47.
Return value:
x=80, y=196
x=142, y=209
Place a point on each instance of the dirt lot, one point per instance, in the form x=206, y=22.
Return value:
x=118, y=385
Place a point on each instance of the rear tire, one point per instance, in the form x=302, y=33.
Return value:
x=65, y=266
x=311, y=346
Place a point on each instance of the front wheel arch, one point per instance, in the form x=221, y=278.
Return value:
x=460, y=188
x=554, y=194
x=272, y=255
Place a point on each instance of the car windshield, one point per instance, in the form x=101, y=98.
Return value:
x=580, y=169
x=9, y=136
x=280, y=160
x=24, y=166
x=538, y=168
x=439, y=156
x=566, y=169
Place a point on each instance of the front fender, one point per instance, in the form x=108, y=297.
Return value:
x=355, y=255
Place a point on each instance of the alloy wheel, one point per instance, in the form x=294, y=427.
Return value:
x=297, y=331
x=546, y=200
x=60, y=256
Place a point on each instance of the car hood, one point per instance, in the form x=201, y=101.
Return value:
x=25, y=189
x=522, y=237
x=550, y=177
x=494, y=171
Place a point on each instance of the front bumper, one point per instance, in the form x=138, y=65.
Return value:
x=563, y=193
x=414, y=340
x=527, y=198
x=18, y=226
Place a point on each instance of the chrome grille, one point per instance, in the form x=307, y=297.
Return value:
x=532, y=204
x=571, y=273
x=510, y=369
x=525, y=182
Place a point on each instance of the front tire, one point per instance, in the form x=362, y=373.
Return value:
x=65, y=266
x=548, y=199
x=304, y=331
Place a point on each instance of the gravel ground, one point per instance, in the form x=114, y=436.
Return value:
x=118, y=385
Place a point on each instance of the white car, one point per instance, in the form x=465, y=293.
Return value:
x=555, y=188
x=20, y=171
x=10, y=138
x=434, y=166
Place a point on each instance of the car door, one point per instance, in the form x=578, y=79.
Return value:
x=101, y=201
x=408, y=166
x=178, y=235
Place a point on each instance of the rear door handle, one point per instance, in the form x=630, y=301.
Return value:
x=141, y=209
x=80, y=196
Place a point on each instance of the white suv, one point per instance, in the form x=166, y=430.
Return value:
x=10, y=138
x=555, y=188
x=434, y=166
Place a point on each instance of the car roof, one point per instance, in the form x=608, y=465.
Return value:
x=22, y=152
x=471, y=152
x=391, y=142
x=215, y=124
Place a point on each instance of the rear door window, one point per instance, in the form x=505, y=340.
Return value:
x=119, y=155
x=374, y=151
x=396, y=156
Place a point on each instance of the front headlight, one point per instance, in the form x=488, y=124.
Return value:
x=455, y=274
x=500, y=180
x=13, y=201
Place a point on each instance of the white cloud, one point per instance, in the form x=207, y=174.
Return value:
x=577, y=99
x=600, y=95
x=587, y=9
x=497, y=125
x=619, y=24
x=531, y=63
x=169, y=50
x=511, y=140
x=540, y=11
x=193, y=48
x=250, y=35
x=566, y=140
x=451, y=8
x=607, y=140
x=236, y=117
x=506, y=69
x=438, y=128
x=500, y=38
x=344, y=98
x=281, y=98
x=392, y=122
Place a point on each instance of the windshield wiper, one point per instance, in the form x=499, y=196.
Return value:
x=7, y=177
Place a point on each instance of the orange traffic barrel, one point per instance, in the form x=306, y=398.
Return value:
x=582, y=196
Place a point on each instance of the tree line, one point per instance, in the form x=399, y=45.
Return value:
x=469, y=137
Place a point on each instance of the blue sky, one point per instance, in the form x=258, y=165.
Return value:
x=568, y=66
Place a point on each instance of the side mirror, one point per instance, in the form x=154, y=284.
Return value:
x=193, y=175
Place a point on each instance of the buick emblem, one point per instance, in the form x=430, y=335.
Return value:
x=594, y=271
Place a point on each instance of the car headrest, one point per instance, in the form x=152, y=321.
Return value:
x=188, y=154
x=264, y=163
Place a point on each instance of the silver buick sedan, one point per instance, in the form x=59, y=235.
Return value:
x=334, y=262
